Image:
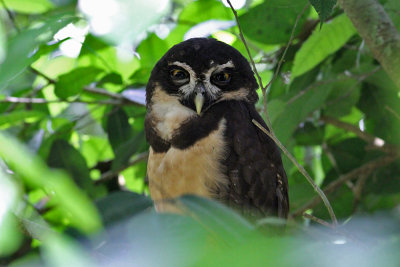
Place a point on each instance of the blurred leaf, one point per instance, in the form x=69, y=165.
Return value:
x=2, y=42
x=323, y=7
x=129, y=24
x=64, y=156
x=29, y=6
x=119, y=206
x=322, y=43
x=221, y=221
x=10, y=237
x=272, y=21
x=19, y=116
x=32, y=169
x=72, y=83
x=62, y=251
x=22, y=48
x=118, y=128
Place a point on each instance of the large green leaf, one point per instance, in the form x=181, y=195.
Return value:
x=22, y=48
x=272, y=21
x=72, y=83
x=322, y=43
x=78, y=208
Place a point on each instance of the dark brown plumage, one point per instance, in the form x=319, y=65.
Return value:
x=200, y=100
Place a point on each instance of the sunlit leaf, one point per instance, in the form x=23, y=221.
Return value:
x=72, y=83
x=322, y=43
x=21, y=48
x=28, y=6
x=19, y=116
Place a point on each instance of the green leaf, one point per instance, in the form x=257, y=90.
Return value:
x=199, y=11
x=126, y=150
x=322, y=43
x=323, y=7
x=18, y=116
x=64, y=156
x=118, y=128
x=10, y=237
x=79, y=209
x=272, y=21
x=119, y=206
x=151, y=50
x=21, y=49
x=298, y=108
x=72, y=83
x=29, y=6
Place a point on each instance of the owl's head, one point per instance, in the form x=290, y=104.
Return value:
x=200, y=72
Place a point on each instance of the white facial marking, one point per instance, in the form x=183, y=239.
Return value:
x=211, y=89
x=188, y=88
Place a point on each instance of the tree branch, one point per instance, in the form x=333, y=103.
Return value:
x=365, y=169
x=377, y=29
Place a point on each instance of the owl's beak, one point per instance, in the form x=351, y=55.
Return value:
x=199, y=97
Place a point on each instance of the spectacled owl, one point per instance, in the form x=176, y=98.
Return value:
x=200, y=102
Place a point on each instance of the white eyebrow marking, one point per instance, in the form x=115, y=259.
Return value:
x=188, y=88
x=214, y=90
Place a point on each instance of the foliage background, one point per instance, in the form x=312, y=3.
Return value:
x=73, y=153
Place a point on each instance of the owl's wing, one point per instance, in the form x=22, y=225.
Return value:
x=257, y=181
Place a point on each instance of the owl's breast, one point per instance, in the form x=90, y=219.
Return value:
x=193, y=170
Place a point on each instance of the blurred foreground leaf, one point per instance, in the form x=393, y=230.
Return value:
x=79, y=209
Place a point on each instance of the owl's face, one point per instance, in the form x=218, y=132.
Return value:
x=200, y=72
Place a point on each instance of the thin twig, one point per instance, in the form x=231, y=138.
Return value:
x=26, y=100
x=318, y=220
x=374, y=141
x=365, y=169
x=110, y=174
x=302, y=170
x=245, y=44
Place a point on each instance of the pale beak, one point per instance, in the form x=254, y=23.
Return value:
x=198, y=102
x=199, y=98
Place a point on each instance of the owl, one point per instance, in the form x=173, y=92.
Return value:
x=200, y=101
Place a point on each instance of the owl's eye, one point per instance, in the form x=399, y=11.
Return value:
x=179, y=76
x=221, y=78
